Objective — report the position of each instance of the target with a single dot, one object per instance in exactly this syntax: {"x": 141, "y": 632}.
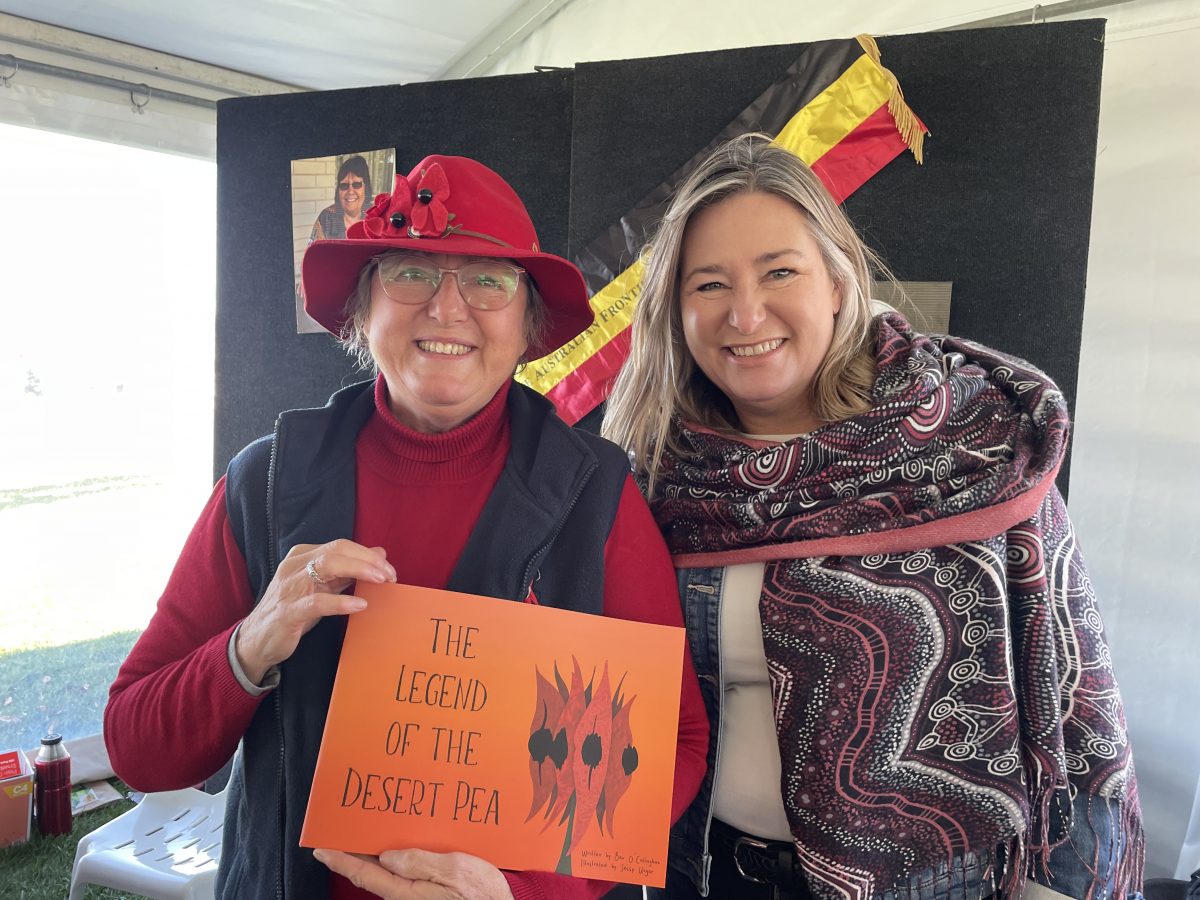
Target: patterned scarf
{"x": 940, "y": 677}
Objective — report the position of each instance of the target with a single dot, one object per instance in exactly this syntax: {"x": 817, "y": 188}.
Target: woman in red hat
{"x": 442, "y": 473}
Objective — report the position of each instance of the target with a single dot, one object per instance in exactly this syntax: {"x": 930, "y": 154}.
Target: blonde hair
{"x": 660, "y": 380}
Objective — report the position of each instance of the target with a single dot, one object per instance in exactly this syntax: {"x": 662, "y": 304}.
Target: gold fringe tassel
{"x": 906, "y": 120}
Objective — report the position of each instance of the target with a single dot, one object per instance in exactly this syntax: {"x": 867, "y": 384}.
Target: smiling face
{"x": 351, "y": 193}
{"x": 758, "y": 304}
{"x": 444, "y": 360}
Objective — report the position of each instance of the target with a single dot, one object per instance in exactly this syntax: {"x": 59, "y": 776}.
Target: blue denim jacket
{"x": 700, "y": 592}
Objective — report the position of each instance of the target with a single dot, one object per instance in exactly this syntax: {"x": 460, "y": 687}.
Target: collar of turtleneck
{"x": 400, "y": 453}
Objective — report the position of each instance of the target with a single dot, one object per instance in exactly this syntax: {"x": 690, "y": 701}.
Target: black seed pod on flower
{"x": 541, "y": 741}
{"x": 629, "y": 760}
{"x": 558, "y": 750}
{"x": 591, "y": 753}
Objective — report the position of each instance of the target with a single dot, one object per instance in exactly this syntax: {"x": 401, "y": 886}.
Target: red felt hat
{"x": 452, "y": 205}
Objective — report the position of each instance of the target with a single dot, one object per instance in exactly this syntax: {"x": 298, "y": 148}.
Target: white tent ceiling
{"x": 313, "y": 44}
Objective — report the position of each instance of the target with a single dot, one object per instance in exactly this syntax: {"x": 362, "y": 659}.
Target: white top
{"x": 747, "y": 793}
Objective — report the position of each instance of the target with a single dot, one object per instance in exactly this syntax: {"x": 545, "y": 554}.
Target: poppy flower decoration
{"x": 389, "y": 214}
{"x": 378, "y": 206}
{"x": 429, "y": 214}
{"x": 581, "y": 754}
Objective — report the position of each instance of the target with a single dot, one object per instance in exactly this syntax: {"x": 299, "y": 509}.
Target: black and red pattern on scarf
{"x": 937, "y": 660}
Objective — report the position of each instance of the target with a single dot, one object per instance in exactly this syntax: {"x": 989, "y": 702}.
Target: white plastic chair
{"x": 165, "y": 847}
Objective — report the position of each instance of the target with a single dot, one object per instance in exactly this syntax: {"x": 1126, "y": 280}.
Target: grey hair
{"x": 353, "y": 336}
{"x": 660, "y": 380}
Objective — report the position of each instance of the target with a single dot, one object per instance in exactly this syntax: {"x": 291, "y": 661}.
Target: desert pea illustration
{"x": 581, "y": 754}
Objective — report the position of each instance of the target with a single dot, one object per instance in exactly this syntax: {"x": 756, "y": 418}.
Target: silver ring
{"x": 311, "y": 569}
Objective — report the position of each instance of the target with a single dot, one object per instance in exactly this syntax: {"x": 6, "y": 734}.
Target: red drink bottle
{"x": 52, "y": 794}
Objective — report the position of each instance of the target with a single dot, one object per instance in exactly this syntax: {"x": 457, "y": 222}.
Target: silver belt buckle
{"x": 744, "y": 841}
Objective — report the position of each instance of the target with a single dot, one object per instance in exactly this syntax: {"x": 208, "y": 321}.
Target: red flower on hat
{"x": 379, "y": 207}
{"x": 389, "y": 215}
{"x": 429, "y": 214}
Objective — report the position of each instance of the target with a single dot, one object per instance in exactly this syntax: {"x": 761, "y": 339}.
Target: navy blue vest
{"x": 544, "y": 526}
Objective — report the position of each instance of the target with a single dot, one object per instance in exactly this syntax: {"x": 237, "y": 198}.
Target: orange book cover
{"x": 536, "y": 738}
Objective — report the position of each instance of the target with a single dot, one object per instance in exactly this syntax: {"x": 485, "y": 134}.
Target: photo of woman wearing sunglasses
{"x": 315, "y": 219}
{"x": 350, "y": 200}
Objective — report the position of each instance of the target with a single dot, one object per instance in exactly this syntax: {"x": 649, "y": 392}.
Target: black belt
{"x": 759, "y": 860}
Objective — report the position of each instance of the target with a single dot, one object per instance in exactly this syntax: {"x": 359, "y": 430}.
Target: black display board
{"x": 1001, "y": 208}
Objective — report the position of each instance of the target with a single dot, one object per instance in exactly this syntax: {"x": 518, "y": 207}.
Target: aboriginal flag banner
{"x": 836, "y": 108}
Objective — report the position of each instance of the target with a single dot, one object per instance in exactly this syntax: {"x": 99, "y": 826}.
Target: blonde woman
{"x": 905, "y": 669}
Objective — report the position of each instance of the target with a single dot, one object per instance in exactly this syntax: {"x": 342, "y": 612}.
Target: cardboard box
{"x": 16, "y": 797}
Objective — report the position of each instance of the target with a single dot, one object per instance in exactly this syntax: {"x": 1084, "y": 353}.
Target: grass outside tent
{"x": 60, "y": 689}
{"x": 64, "y": 635}
{"x": 57, "y": 689}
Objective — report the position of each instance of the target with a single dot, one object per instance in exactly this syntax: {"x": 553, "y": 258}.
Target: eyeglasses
{"x": 346, "y": 185}
{"x": 483, "y": 283}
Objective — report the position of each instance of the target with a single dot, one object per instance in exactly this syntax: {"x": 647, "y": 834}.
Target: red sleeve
{"x": 175, "y": 712}
{"x": 639, "y": 583}
{"x": 546, "y": 885}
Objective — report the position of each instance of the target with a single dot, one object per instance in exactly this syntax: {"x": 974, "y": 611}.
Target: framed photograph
{"x": 329, "y": 194}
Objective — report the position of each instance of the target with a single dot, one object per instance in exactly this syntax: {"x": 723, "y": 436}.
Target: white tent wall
{"x": 68, "y": 106}
{"x": 168, "y": 104}
{"x": 99, "y": 114}
{"x": 1135, "y": 485}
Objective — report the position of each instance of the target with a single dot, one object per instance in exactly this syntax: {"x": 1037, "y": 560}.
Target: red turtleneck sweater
{"x": 417, "y": 495}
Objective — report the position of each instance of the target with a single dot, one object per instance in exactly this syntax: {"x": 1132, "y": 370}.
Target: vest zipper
{"x": 537, "y": 555}
{"x": 272, "y": 565}
{"x": 272, "y": 561}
